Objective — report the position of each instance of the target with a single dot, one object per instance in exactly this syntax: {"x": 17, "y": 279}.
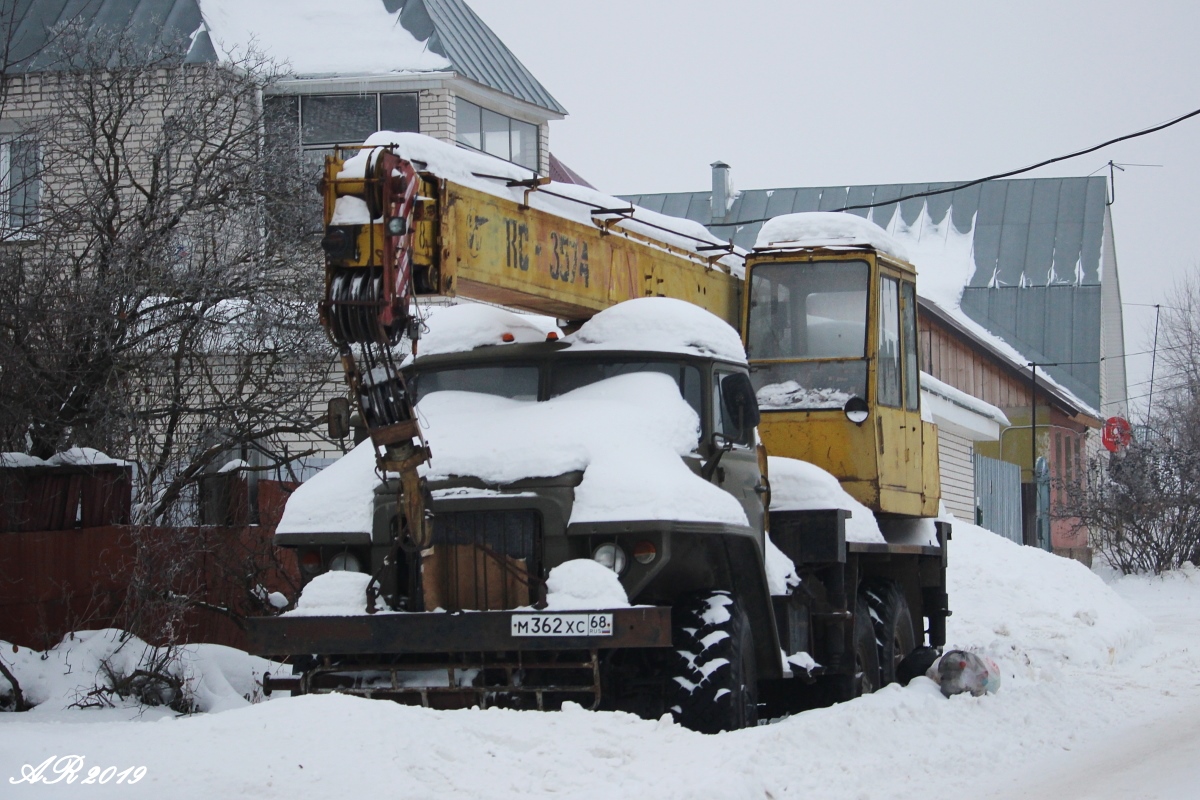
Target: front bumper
{"x": 437, "y": 632}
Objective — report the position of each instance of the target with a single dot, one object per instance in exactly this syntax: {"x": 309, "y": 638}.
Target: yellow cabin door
{"x": 890, "y": 420}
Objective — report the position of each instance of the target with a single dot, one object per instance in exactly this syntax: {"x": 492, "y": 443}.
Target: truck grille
{"x": 482, "y": 560}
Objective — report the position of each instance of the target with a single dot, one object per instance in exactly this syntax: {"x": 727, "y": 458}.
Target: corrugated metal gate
{"x": 998, "y": 490}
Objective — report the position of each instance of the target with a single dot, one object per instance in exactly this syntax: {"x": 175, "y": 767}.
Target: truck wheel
{"x": 893, "y": 626}
{"x": 715, "y": 683}
{"x": 866, "y": 652}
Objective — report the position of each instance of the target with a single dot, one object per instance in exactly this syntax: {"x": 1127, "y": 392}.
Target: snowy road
{"x": 1100, "y": 699}
{"x": 1158, "y": 756}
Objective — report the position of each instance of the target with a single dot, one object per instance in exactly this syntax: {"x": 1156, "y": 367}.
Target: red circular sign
{"x": 1117, "y": 434}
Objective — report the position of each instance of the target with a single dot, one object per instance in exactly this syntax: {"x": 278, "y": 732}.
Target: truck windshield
{"x": 517, "y": 382}
{"x": 807, "y": 336}
{"x": 565, "y": 376}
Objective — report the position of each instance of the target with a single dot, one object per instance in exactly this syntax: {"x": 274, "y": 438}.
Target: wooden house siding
{"x": 955, "y": 460}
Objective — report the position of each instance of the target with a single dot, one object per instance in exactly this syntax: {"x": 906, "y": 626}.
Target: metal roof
{"x": 476, "y": 53}
{"x": 1036, "y": 245}
{"x": 166, "y": 27}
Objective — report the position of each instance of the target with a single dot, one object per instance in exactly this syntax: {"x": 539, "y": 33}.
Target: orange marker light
{"x": 507, "y": 337}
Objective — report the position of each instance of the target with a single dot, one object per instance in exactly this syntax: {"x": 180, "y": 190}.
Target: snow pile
{"x": 350, "y": 211}
{"x": 662, "y": 324}
{"x": 626, "y": 434}
{"x": 338, "y": 499}
{"x": 357, "y": 37}
{"x": 465, "y": 167}
{"x": 828, "y": 229}
{"x": 1023, "y": 604}
{"x": 583, "y": 584}
{"x": 336, "y": 593}
{"x": 895, "y": 743}
{"x": 84, "y": 457}
{"x": 799, "y": 486}
{"x": 781, "y": 570}
{"x": 462, "y": 327}
{"x": 214, "y": 677}
{"x": 20, "y": 460}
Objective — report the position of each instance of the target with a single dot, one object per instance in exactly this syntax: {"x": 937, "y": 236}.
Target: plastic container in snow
{"x": 959, "y": 671}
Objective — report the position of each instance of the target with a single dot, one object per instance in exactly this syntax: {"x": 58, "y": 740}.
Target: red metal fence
{"x": 69, "y": 560}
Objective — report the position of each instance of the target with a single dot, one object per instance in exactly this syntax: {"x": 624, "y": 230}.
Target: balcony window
{"x": 496, "y": 134}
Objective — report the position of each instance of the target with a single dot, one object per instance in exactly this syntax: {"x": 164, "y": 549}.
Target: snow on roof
{"x": 800, "y": 486}
{"x": 574, "y": 202}
{"x": 627, "y": 434}
{"x": 352, "y": 37}
{"x": 945, "y": 261}
{"x": 661, "y": 324}
{"x": 953, "y": 408}
{"x": 465, "y": 326}
{"x": 828, "y": 229}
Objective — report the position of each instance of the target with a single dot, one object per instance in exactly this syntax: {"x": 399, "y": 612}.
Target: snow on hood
{"x": 465, "y": 167}
{"x": 462, "y": 327}
{"x": 799, "y": 486}
{"x": 353, "y": 37}
{"x": 661, "y": 324}
{"x": 627, "y": 434}
{"x": 828, "y": 229}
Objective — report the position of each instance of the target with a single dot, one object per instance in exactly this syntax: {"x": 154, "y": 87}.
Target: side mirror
{"x": 338, "y": 418}
{"x": 857, "y": 410}
{"x": 741, "y": 403}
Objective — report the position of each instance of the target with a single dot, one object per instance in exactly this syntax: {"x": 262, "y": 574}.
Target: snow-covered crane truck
{"x": 590, "y": 517}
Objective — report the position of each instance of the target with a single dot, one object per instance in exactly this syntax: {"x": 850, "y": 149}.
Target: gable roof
{"x": 976, "y": 251}
{"x": 318, "y": 37}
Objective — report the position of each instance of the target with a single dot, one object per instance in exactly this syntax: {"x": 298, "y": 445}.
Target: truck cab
{"x": 831, "y": 335}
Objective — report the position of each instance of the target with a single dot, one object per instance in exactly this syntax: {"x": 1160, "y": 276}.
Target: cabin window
{"x": 912, "y": 368}
{"x": 888, "y": 364}
{"x": 807, "y": 336}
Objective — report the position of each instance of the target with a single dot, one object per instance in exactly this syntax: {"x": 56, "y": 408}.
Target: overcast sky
{"x": 813, "y": 94}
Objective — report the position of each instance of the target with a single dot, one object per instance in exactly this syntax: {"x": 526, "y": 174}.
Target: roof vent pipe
{"x": 722, "y": 190}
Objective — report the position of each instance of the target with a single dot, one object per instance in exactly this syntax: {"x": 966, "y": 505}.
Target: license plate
{"x": 562, "y": 624}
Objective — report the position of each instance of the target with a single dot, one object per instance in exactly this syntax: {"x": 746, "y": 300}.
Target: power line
{"x": 1030, "y": 168}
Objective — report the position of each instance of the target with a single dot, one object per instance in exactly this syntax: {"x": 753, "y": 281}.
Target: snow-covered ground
{"x": 1100, "y": 698}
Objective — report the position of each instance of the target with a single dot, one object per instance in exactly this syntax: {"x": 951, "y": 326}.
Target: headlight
{"x": 611, "y": 556}
{"x": 345, "y": 562}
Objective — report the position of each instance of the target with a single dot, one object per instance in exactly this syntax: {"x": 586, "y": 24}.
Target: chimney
{"x": 722, "y": 190}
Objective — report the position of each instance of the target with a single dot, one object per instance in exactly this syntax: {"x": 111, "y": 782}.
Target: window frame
{"x": 29, "y": 214}
{"x": 298, "y": 121}
{"x": 463, "y": 106}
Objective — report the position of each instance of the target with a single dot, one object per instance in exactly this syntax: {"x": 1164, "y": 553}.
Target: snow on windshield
{"x": 627, "y": 434}
{"x": 828, "y": 229}
{"x": 661, "y": 324}
{"x": 799, "y": 486}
